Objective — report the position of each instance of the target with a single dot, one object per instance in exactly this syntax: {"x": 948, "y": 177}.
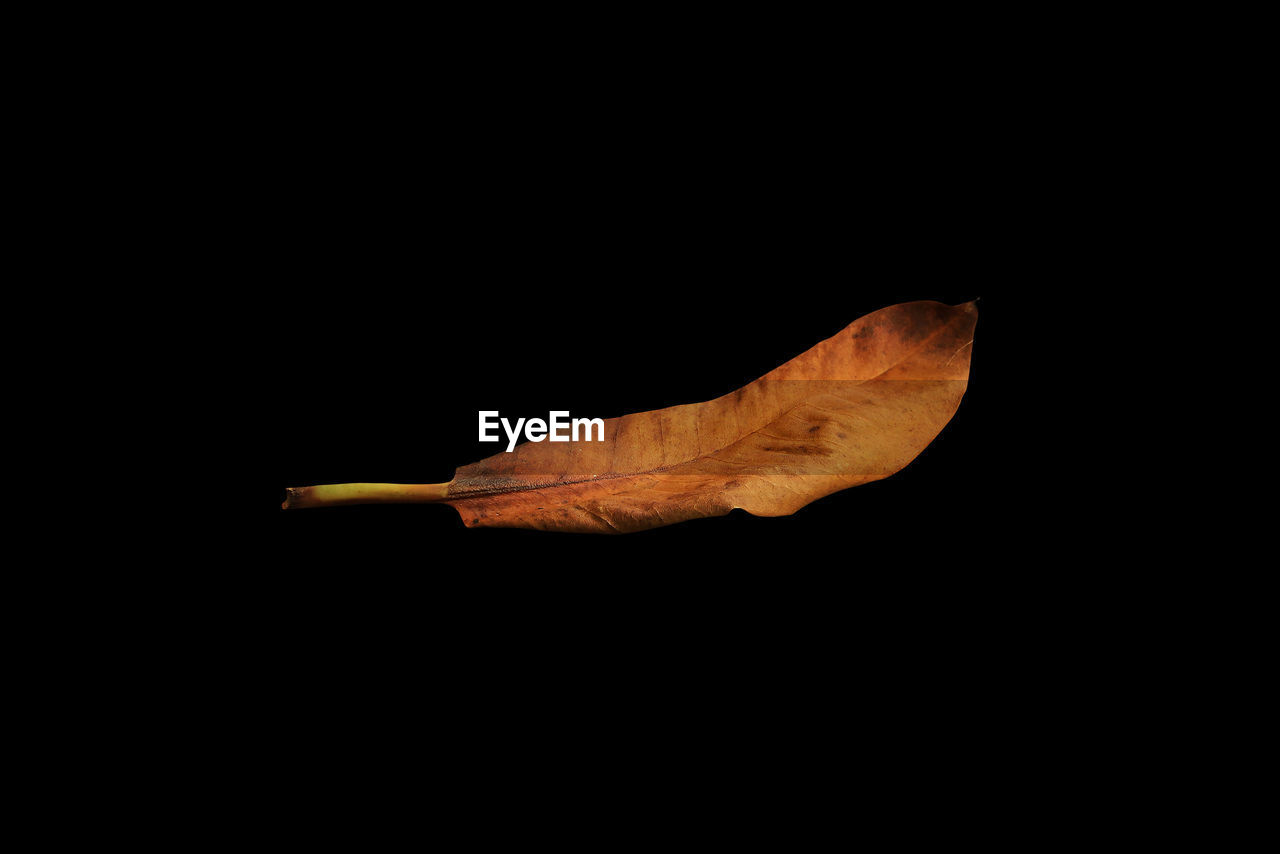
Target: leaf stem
{"x": 335, "y": 494}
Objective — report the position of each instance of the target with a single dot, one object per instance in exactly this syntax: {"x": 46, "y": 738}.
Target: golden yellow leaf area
{"x": 854, "y": 408}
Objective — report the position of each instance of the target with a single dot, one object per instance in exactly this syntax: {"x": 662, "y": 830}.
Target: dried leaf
{"x": 855, "y": 408}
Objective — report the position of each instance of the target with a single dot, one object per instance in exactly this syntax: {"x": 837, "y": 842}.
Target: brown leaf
{"x": 855, "y": 408}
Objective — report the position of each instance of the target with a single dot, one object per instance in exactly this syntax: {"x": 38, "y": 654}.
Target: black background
{"x": 613, "y": 246}
{"x": 642, "y": 294}
{"x": 616, "y": 279}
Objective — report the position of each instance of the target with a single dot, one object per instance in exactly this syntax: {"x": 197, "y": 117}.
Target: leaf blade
{"x": 852, "y": 409}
